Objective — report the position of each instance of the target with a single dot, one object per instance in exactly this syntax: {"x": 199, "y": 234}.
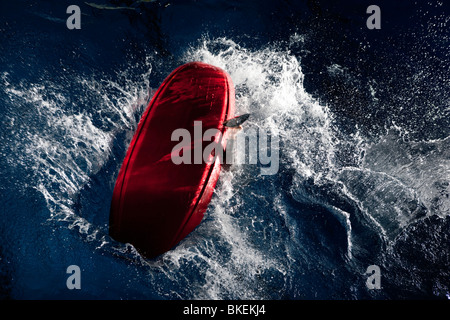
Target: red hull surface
{"x": 156, "y": 202}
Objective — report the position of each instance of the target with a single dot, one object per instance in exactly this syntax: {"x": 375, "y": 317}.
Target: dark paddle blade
{"x": 237, "y": 121}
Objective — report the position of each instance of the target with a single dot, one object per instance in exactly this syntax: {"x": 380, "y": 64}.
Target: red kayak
{"x": 156, "y": 203}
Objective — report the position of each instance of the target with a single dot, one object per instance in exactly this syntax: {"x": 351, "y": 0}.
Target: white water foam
{"x": 63, "y": 145}
{"x": 389, "y": 192}
{"x": 269, "y": 85}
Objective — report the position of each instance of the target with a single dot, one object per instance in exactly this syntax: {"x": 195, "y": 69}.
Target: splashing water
{"x": 335, "y": 201}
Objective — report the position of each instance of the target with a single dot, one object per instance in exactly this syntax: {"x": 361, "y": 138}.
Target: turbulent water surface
{"x": 362, "y": 118}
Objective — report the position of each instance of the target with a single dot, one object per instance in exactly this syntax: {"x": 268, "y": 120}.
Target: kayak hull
{"x": 156, "y": 202}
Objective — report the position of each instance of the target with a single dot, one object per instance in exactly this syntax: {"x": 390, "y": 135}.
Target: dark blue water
{"x": 363, "y": 121}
